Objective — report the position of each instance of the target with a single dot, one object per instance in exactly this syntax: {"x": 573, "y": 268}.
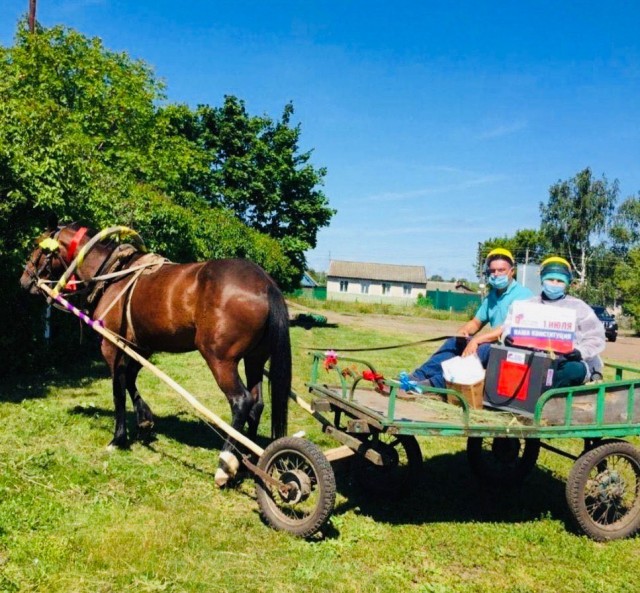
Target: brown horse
{"x": 228, "y": 309}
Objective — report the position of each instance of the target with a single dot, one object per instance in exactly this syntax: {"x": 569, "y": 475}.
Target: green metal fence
{"x": 453, "y": 301}
{"x": 319, "y": 293}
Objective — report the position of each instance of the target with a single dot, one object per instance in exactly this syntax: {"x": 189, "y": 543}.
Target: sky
{"x": 441, "y": 123}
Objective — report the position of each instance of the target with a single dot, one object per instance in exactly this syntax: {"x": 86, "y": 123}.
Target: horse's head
{"x": 53, "y": 252}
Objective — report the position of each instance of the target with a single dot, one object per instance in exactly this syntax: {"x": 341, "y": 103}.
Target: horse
{"x": 227, "y": 309}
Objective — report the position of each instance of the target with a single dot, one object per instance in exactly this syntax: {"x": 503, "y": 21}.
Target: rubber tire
{"x": 384, "y": 481}
{"x": 323, "y": 485}
{"x": 577, "y": 482}
{"x": 502, "y": 475}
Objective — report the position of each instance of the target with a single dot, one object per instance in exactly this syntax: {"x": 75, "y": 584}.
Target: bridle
{"x": 49, "y": 249}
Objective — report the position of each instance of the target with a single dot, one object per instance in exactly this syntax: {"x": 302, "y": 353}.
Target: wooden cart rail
{"x": 607, "y": 409}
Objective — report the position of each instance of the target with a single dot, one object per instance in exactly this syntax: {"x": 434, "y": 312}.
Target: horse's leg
{"x": 254, "y": 369}
{"x": 114, "y": 358}
{"x": 144, "y": 416}
{"x": 240, "y": 400}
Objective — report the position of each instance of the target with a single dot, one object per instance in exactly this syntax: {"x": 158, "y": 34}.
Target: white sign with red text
{"x": 543, "y": 327}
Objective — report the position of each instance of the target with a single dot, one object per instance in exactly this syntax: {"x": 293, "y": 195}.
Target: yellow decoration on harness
{"x": 49, "y": 244}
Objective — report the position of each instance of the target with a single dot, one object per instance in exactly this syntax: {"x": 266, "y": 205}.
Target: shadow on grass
{"x": 447, "y": 491}
{"x": 82, "y": 373}
{"x": 182, "y": 427}
{"x": 444, "y": 491}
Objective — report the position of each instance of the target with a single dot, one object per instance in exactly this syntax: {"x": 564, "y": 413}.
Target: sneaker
{"x": 420, "y": 382}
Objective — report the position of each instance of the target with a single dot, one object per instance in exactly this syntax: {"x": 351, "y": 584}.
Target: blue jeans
{"x": 432, "y": 368}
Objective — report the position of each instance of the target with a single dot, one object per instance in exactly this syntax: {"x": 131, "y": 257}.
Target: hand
{"x": 472, "y": 348}
{"x": 574, "y": 356}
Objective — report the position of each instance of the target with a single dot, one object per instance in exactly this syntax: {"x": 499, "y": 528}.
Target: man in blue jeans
{"x": 504, "y": 289}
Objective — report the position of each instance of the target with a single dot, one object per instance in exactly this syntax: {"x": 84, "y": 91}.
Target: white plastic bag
{"x": 463, "y": 370}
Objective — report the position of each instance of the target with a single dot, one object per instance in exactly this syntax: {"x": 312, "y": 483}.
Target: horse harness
{"x": 112, "y": 268}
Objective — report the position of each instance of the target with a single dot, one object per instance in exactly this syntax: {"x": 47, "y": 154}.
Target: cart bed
{"x": 589, "y": 411}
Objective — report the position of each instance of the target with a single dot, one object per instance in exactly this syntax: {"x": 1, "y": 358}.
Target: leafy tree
{"x": 577, "y": 213}
{"x": 258, "y": 172}
{"x": 84, "y": 132}
{"x": 627, "y": 280}
{"x": 599, "y": 287}
{"x": 527, "y": 246}
{"x": 436, "y": 278}
{"x": 625, "y": 227}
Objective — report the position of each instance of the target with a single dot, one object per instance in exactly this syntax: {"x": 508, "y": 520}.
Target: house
{"x": 370, "y": 282}
{"x": 307, "y": 281}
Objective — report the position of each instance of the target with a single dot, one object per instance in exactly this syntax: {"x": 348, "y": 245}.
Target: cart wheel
{"x": 402, "y": 459}
{"x": 306, "y": 506}
{"x": 502, "y": 461}
{"x": 603, "y": 491}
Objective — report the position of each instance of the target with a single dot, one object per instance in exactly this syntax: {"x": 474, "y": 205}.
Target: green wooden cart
{"x": 379, "y": 421}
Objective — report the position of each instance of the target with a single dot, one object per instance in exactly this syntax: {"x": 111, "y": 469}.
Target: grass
{"x": 76, "y": 518}
{"x": 366, "y": 308}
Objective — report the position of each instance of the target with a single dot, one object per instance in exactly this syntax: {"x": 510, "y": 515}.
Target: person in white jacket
{"x": 583, "y": 363}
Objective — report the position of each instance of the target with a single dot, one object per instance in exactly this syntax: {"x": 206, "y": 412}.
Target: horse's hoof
{"x": 145, "y": 433}
{"x": 221, "y": 478}
{"x": 228, "y": 467}
{"x": 118, "y": 444}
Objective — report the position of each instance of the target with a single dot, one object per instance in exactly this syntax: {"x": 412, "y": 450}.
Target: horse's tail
{"x": 280, "y": 365}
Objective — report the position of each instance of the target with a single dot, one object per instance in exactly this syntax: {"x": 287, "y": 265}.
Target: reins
{"x": 336, "y": 349}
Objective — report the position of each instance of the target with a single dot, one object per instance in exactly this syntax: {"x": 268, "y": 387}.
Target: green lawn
{"x": 75, "y": 517}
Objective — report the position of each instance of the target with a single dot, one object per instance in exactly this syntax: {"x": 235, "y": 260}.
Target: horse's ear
{"x": 52, "y": 222}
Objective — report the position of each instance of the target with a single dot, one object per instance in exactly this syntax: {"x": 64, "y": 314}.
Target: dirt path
{"x": 625, "y": 350}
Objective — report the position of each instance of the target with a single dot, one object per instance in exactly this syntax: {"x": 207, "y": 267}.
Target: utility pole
{"x": 32, "y": 16}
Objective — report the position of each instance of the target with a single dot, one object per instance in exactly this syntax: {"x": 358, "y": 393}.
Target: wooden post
{"x": 32, "y": 16}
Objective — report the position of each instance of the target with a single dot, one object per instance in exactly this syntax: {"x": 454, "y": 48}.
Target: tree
{"x": 85, "y": 132}
{"x": 527, "y": 246}
{"x": 627, "y": 279}
{"x": 258, "y": 172}
{"x": 625, "y": 227}
{"x": 578, "y": 211}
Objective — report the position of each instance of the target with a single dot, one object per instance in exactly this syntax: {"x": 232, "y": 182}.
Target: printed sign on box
{"x": 543, "y": 327}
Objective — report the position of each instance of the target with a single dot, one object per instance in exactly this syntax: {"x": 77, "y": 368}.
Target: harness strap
{"x": 124, "y": 290}
{"x": 128, "y": 289}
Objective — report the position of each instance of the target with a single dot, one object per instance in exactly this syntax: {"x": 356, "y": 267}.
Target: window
{"x": 386, "y": 288}
{"x": 344, "y": 285}
{"x": 364, "y": 288}
{"x": 406, "y": 289}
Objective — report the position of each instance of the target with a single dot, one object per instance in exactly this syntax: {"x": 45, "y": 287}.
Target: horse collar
{"x": 75, "y": 241}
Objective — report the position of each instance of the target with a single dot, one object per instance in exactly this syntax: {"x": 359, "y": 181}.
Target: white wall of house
{"x": 349, "y": 289}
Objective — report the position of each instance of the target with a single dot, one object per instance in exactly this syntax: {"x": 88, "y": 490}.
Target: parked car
{"x": 609, "y": 322}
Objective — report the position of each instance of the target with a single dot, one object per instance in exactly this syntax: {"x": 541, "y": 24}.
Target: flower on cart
{"x": 330, "y": 359}
{"x": 350, "y": 371}
{"x": 377, "y": 378}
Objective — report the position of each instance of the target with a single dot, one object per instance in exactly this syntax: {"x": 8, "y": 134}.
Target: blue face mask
{"x": 498, "y": 282}
{"x": 554, "y": 291}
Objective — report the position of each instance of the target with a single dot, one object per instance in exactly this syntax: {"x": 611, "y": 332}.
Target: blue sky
{"x": 441, "y": 124}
